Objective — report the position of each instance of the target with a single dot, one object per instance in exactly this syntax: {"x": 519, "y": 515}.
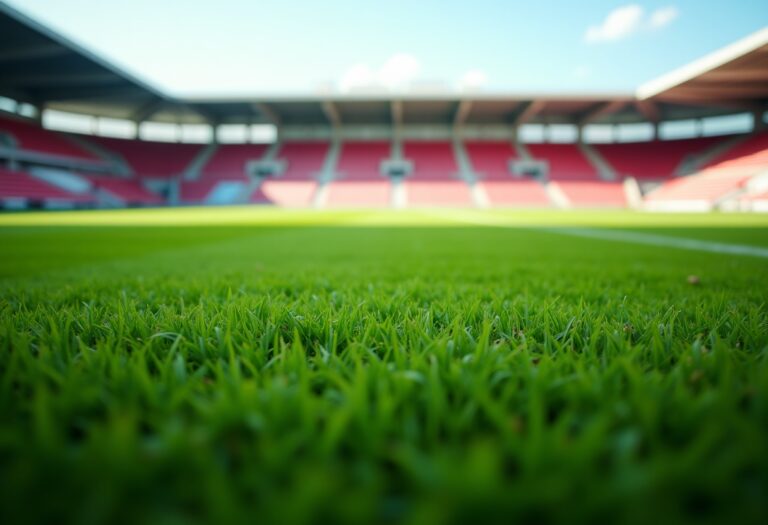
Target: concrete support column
{"x": 758, "y": 119}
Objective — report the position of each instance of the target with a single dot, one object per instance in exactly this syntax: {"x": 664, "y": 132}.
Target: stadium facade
{"x": 379, "y": 150}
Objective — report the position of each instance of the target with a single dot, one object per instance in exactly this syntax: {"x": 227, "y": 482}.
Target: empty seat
{"x": 130, "y": 191}
{"x": 289, "y": 193}
{"x": 351, "y": 194}
{"x": 517, "y": 193}
{"x": 20, "y": 185}
{"x": 750, "y": 154}
{"x": 151, "y": 159}
{"x": 706, "y": 187}
{"x": 361, "y": 161}
{"x": 566, "y": 161}
{"x": 490, "y": 159}
{"x": 31, "y": 137}
{"x": 438, "y": 193}
{"x": 653, "y": 160}
{"x": 303, "y": 160}
{"x": 229, "y": 161}
{"x": 593, "y": 194}
{"x": 431, "y": 160}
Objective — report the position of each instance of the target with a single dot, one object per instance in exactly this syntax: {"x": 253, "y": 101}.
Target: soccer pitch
{"x": 185, "y": 365}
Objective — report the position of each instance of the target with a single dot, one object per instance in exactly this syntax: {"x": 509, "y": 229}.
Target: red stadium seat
{"x": 369, "y": 194}
{"x": 593, "y": 194}
{"x": 160, "y": 160}
{"x": 566, "y": 161}
{"x": 229, "y": 161}
{"x": 304, "y": 160}
{"x": 752, "y": 153}
{"x": 359, "y": 161}
{"x": 19, "y": 185}
{"x": 130, "y": 191}
{"x": 31, "y": 137}
{"x": 438, "y": 193}
{"x": 288, "y": 193}
{"x": 431, "y": 160}
{"x": 490, "y": 159}
{"x": 518, "y": 193}
{"x": 654, "y": 160}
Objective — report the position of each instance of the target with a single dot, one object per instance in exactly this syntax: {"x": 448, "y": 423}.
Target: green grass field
{"x": 182, "y": 366}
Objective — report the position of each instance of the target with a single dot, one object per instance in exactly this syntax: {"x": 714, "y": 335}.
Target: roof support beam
{"x": 89, "y": 79}
{"x": 462, "y": 112}
{"x": 532, "y": 109}
{"x": 17, "y": 54}
{"x": 145, "y": 111}
{"x": 711, "y": 102}
{"x": 742, "y": 90}
{"x": 649, "y": 110}
{"x": 89, "y": 93}
{"x": 602, "y": 110}
{"x": 331, "y": 113}
{"x": 737, "y": 75}
{"x": 268, "y": 113}
{"x": 396, "y": 108}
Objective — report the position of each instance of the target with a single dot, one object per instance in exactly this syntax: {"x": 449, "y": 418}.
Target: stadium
{"x": 381, "y": 306}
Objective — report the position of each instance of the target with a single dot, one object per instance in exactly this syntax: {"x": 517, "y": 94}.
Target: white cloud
{"x": 358, "y": 76}
{"x": 664, "y": 16}
{"x": 396, "y": 73}
{"x": 620, "y": 23}
{"x": 403, "y": 72}
{"x": 627, "y": 20}
{"x": 473, "y": 80}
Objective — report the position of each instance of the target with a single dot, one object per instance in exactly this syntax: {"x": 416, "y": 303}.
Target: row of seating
{"x": 17, "y": 185}
{"x": 723, "y": 177}
{"x": 358, "y": 181}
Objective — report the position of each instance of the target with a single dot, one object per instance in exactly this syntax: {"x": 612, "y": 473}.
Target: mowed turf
{"x": 357, "y": 367}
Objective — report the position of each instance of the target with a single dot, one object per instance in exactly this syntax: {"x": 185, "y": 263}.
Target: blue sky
{"x": 231, "y": 47}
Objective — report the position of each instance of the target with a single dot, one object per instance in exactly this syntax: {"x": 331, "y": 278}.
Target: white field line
{"x": 606, "y": 234}
{"x": 663, "y": 240}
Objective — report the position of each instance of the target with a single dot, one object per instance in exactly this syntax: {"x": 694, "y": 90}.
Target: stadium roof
{"x": 43, "y": 68}
{"x": 734, "y": 76}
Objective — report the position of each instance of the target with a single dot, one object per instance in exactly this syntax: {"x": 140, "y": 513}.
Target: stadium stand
{"x": 750, "y": 155}
{"x": 17, "y": 185}
{"x": 303, "y": 160}
{"x": 229, "y": 161}
{"x": 129, "y": 191}
{"x": 724, "y": 178}
{"x": 434, "y": 179}
{"x": 297, "y": 185}
{"x": 754, "y": 202}
{"x": 699, "y": 192}
{"x": 161, "y": 160}
{"x": 578, "y": 174}
{"x": 593, "y": 194}
{"x": 653, "y": 160}
{"x": 288, "y": 193}
{"x": 360, "y": 182}
{"x": 431, "y": 160}
{"x": 566, "y": 161}
{"x": 355, "y": 194}
{"x": 29, "y": 136}
{"x": 490, "y": 159}
{"x": 490, "y": 163}
{"x": 360, "y": 161}
{"x": 515, "y": 193}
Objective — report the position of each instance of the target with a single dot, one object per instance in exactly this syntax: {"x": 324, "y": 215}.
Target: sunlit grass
{"x": 287, "y": 367}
